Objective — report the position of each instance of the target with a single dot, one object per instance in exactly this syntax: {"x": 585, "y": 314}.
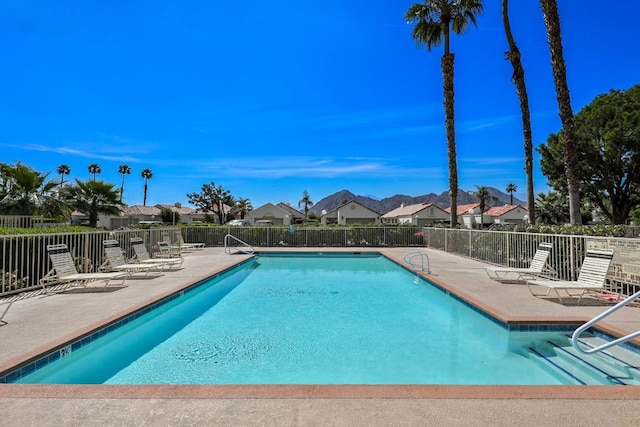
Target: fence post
{"x": 572, "y": 258}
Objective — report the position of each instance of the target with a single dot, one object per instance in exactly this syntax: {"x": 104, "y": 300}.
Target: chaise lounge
{"x": 142, "y": 255}
{"x": 592, "y": 277}
{"x": 538, "y": 267}
{"x": 115, "y": 261}
{"x": 65, "y": 271}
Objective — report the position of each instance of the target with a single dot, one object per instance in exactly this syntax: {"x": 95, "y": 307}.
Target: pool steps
{"x": 616, "y": 366}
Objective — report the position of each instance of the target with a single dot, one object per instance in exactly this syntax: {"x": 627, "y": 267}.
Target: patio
{"x": 41, "y": 322}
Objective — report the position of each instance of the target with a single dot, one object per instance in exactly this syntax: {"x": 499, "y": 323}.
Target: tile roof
{"x": 463, "y": 209}
{"x": 141, "y": 210}
{"x": 296, "y": 213}
{"x": 181, "y": 210}
{"x": 407, "y": 210}
{"x": 501, "y": 210}
{"x": 346, "y": 203}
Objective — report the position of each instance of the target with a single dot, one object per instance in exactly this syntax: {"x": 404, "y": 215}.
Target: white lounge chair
{"x": 64, "y": 270}
{"x": 538, "y": 266}
{"x": 166, "y": 250}
{"x": 142, "y": 255}
{"x": 115, "y": 261}
{"x": 179, "y": 243}
{"x": 592, "y": 277}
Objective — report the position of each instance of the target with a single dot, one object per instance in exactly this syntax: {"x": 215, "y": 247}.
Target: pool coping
{"x": 268, "y": 391}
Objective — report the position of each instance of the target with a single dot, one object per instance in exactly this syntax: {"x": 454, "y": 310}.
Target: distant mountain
{"x": 388, "y": 204}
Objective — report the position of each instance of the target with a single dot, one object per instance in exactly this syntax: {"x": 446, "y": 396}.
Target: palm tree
{"x": 552, "y": 208}
{"x": 511, "y": 188}
{"x": 242, "y": 207}
{"x": 306, "y": 201}
{"x": 123, "y": 170}
{"x": 513, "y": 55}
{"x": 433, "y": 21}
{"x": 483, "y": 195}
{"x": 26, "y": 193}
{"x": 552, "y": 22}
{"x": 94, "y": 168}
{"x": 94, "y": 198}
{"x": 147, "y": 175}
{"x": 63, "y": 170}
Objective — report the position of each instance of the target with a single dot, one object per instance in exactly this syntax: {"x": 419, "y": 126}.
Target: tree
{"x": 212, "y": 199}
{"x": 306, "y": 201}
{"x": 95, "y": 169}
{"x": 571, "y": 160}
{"x": 26, "y": 193}
{"x": 607, "y": 137}
{"x": 513, "y": 55}
{"x": 511, "y": 188}
{"x": 93, "y": 198}
{"x": 124, "y": 170}
{"x": 552, "y": 208}
{"x": 147, "y": 174}
{"x": 170, "y": 216}
{"x": 433, "y": 21}
{"x": 63, "y": 170}
{"x": 483, "y": 195}
{"x": 242, "y": 207}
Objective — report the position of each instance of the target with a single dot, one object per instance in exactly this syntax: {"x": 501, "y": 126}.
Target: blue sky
{"x": 268, "y": 99}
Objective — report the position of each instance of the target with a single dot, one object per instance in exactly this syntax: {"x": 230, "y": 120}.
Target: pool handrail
{"x": 581, "y": 329}
{"x": 409, "y": 259}
{"x": 227, "y": 247}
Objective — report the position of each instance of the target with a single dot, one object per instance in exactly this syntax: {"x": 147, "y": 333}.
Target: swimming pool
{"x": 307, "y": 319}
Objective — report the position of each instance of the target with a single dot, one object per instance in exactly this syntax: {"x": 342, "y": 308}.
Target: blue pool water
{"x": 330, "y": 319}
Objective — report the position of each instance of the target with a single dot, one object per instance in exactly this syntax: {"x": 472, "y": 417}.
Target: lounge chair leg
{"x": 3, "y": 322}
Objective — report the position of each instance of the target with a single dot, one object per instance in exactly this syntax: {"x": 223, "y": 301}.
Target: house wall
{"x": 270, "y": 212}
{"x": 515, "y": 216}
{"x": 351, "y": 213}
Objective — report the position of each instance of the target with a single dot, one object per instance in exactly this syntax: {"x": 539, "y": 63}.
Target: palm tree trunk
{"x": 447, "y": 74}
{"x": 521, "y": 89}
{"x": 144, "y": 200}
{"x": 122, "y": 187}
{"x": 552, "y": 22}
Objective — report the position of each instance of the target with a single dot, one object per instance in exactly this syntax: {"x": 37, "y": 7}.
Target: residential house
{"x": 421, "y": 214}
{"x": 350, "y": 212}
{"x": 508, "y": 214}
{"x": 468, "y": 215}
{"x": 278, "y": 215}
{"x": 297, "y": 217}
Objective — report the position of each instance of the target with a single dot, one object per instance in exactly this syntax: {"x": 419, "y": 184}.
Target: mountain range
{"x": 382, "y": 206}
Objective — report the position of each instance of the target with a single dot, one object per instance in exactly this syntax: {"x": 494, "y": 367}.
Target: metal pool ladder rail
{"x": 245, "y": 248}
{"x": 418, "y": 259}
{"x": 581, "y": 329}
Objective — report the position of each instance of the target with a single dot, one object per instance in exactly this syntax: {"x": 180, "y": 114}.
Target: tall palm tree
{"x": 511, "y": 188}
{"x": 513, "y": 55}
{"x": 552, "y": 22}
{"x": 434, "y": 19}
{"x": 63, "y": 170}
{"x": 306, "y": 201}
{"x": 95, "y": 169}
{"x": 123, "y": 170}
{"x": 482, "y": 194}
{"x": 147, "y": 175}
{"x": 94, "y": 198}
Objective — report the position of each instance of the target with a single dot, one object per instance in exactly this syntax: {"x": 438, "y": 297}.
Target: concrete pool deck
{"x": 40, "y": 323}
